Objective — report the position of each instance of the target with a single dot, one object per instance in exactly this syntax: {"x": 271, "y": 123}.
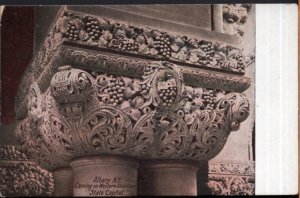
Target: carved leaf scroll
{"x": 156, "y": 116}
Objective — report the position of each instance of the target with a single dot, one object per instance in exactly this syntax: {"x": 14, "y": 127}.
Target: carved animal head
{"x": 237, "y": 109}
{"x": 71, "y": 85}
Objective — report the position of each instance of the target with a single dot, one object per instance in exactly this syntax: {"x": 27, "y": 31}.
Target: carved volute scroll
{"x": 155, "y": 116}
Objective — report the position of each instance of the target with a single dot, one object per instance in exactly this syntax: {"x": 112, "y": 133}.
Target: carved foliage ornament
{"x": 231, "y": 178}
{"x": 156, "y": 117}
{"x": 231, "y": 185}
{"x": 107, "y": 33}
{"x": 21, "y": 177}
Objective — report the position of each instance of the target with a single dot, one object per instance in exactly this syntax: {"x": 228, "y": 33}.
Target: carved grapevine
{"x": 102, "y": 32}
{"x": 156, "y": 116}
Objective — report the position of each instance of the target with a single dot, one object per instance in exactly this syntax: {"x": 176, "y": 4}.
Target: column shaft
{"x": 63, "y": 182}
{"x": 104, "y": 176}
{"x": 168, "y": 178}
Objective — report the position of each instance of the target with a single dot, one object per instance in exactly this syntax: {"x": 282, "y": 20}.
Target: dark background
{"x": 17, "y": 43}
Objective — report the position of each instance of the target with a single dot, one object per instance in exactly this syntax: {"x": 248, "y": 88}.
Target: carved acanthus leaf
{"x": 156, "y": 116}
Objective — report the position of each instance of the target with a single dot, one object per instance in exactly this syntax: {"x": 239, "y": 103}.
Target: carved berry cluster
{"x": 168, "y": 95}
{"x": 209, "y": 99}
{"x": 92, "y": 27}
{"x": 129, "y": 46}
{"x": 162, "y": 45}
{"x": 207, "y": 47}
{"x": 240, "y": 62}
{"x": 115, "y": 90}
{"x": 72, "y": 31}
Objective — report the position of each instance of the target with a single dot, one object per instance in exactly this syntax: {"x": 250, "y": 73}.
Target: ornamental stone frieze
{"x": 19, "y": 176}
{"x": 102, "y": 94}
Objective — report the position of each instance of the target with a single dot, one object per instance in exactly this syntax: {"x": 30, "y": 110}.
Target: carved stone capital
{"x": 156, "y": 116}
{"x": 21, "y": 177}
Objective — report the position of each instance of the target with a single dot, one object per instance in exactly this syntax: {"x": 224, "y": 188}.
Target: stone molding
{"x": 132, "y": 67}
{"x": 154, "y": 117}
{"x": 21, "y": 177}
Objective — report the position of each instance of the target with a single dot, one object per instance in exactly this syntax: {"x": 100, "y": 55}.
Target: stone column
{"x": 217, "y": 16}
{"x": 63, "y": 182}
{"x": 168, "y": 178}
{"x": 104, "y": 176}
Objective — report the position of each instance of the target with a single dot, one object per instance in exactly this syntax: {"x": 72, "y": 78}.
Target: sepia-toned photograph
{"x": 128, "y": 100}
